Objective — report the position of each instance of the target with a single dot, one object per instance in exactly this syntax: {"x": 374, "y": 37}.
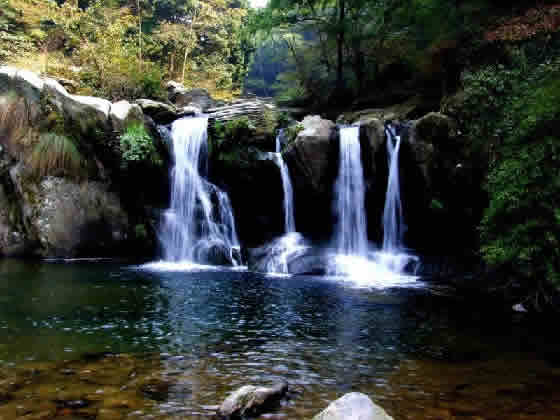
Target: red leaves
{"x": 534, "y": 21}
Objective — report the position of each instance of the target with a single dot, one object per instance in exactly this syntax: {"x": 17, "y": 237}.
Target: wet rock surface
{"x": 250, "y": 401}
{"x": 353, "y": 406}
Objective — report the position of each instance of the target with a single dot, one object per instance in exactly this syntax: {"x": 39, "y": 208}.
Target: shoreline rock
{"x": 353, "y": 406}
{"x": 250, "y": 400}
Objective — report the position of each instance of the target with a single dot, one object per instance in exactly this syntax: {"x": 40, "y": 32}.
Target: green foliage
{"x": 56, "y": 155}
{"x": 292, "y": 132}
{"x": 233, "y": 131}
{"x": 512, "y": 110}
{"x": 137, "y": 145}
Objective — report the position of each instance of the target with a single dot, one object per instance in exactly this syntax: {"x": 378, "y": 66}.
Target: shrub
{"x": 55, "y": 154}
{"x": 512, "y": 111}
{"x": 233, "y": 130}
{"x": 137, "y": 145}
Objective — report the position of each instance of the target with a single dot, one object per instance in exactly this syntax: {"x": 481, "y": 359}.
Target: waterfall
{"x": 199, "y": 224}
{"x": 351, "y": 233}
{"x": 393, "y": 223}
{"x": 289, "y": 221}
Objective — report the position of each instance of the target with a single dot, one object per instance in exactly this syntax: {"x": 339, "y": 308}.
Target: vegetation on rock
{"x": 55, "y": 154}
{"x": 137, "y": 145}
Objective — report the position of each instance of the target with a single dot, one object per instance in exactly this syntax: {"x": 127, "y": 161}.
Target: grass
{"x": 55, "y": 154}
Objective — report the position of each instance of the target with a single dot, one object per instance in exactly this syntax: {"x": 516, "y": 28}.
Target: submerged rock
{"x": 353, "y": 406}
{"x": 251, "y": 400}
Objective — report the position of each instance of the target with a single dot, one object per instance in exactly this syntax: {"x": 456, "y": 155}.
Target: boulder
{"x": 251, "y": 400}
{"x": 123, "y": 113}
{"x": 312, "y": 159}
{"x": 435, "y": 128}
{"x": 400, "y": 112}
{"x": 181, "y": 96}
{"x": 310, "y": 153}
{"x": 70, "y": 218}
{"x": 353, "y": 406}
{"x": 88, "y": 113}
{"x": 13, "y": 240}
{"x": 160, "y": 112}
{"x": 372, "y": 135}
{"x": 431, "y": 135}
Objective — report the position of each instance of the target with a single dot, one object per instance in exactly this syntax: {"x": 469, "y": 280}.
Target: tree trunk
{"x": 340, "y": 46}
{"x": 139, "y": 34}
{"x": 359, "y": 65}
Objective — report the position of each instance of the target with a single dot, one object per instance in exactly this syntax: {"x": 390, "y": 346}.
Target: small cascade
{"x": 199, "y": 225}
{"x": 351, "y": 229}
{"x": 276, "y": 256}
{"x": 289, "y": 221}
{"x": 393, "y": 221}
{"x": 354, "y": 261}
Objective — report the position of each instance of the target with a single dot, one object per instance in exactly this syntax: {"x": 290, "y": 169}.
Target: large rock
{"x": 123, "y": 113}
{"x": 432, "y": 135}
{"x": 56, "y": 216}
{"x": 353, "y": 406}
{"x": 312, "y": 158}
{"x": 71, "y": 218}
{"x": 251, "y": 401}
{"x": 399, "y": 112}
{"x": 181, "y": 96}
{"x": 88, "y": 113}
{"x": 160, "y": 112}
{"x": 310, "y": 153}
{"x": 13, "y": 240}
{"x": 163, "y": 113}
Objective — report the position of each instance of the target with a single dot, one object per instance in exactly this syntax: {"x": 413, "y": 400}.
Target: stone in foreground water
{"x": 353, "y": 406}
{"x": 251, "y": 400}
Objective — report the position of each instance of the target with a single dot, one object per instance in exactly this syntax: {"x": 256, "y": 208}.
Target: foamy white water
{"x": 199, "y": 226}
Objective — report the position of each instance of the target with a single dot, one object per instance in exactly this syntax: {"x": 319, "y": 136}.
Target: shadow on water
{"x": 144, "y": 342}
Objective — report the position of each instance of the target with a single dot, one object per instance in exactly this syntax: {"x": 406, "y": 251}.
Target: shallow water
{"x": 110, "y": 341}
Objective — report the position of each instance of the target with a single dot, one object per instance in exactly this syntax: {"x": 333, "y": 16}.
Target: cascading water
{"x": 351, "y": 230}
{"x": 282, "y": 250}
{"x": 289, "y": 221}
{"x": 393, "y": 222}
{"x": 354, "y": 260}
{"x": 393, "y": 255}
{"x": 199, "y": 225}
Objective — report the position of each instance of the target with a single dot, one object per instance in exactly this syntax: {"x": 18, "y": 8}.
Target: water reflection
{"x": 203, "y": 333}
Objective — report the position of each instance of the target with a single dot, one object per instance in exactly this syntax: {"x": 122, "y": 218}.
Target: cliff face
{"x": 64, "y": 190}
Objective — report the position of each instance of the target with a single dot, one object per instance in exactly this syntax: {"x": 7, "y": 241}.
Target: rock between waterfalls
{"x": 353, "y": 406}
{"x": 250, "y": 400}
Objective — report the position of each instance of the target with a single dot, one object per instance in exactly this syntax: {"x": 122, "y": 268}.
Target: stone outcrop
{"x": 353, "y": 406}
{"x": 251, "y": 401}
{"x": 123, "y": 113}
{"x": 70, "y": 218}
{"x": 254, "y": 109}
{"x": 181, "y": 96}
{"x": 63, "y": 215}
{"x": 312, "y": 159}
{"x": 432, "y": 135}
{"x": 13, "y": 240}
{"x": 310, "y": 152}
{"x": 163, "y": 113}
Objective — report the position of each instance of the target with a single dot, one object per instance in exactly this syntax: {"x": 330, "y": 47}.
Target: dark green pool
{"x": 134, "y": 343}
